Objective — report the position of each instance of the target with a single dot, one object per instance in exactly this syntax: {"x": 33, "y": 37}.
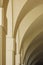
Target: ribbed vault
{"x": 36, "y": 51}
{"x": 32, "y": 42}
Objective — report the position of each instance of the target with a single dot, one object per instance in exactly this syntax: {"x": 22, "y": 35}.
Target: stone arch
{"x": 25, "y": 9}
{"x": 35, "y": 50}
{"x": 35, "y": 28}
{"x": 30, "y": 19}
{"x": 38, "y": 50}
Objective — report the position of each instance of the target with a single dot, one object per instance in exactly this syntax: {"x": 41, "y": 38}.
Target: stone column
{"x": 2, "y": 38}
{"x": 17, "y": 59}
{"x": 10, "y": 50}
{"x": 18, "y": 55}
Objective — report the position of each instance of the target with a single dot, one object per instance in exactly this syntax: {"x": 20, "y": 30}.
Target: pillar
{"x": 10, "y": 50}
{"x": 10, "y": 40}
{"x": 18, "y": 54}
{"x": 17, "y": 59}
{"x": 2, "y": 38}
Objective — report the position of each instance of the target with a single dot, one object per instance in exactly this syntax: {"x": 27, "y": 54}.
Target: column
{"x": 17, "y": 59}
{"x": 10, "y": 50}
{"x": 17, "y": 56}
{"x": 2, "y": 38}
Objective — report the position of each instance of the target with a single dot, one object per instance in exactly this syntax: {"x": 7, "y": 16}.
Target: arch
{"x": 26, "y": 8}
{"x": 37, "y": 54}
{"x": 35, "y": 29}
{"x": 32, "y": 19}
{"x": 36, "y": 48}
